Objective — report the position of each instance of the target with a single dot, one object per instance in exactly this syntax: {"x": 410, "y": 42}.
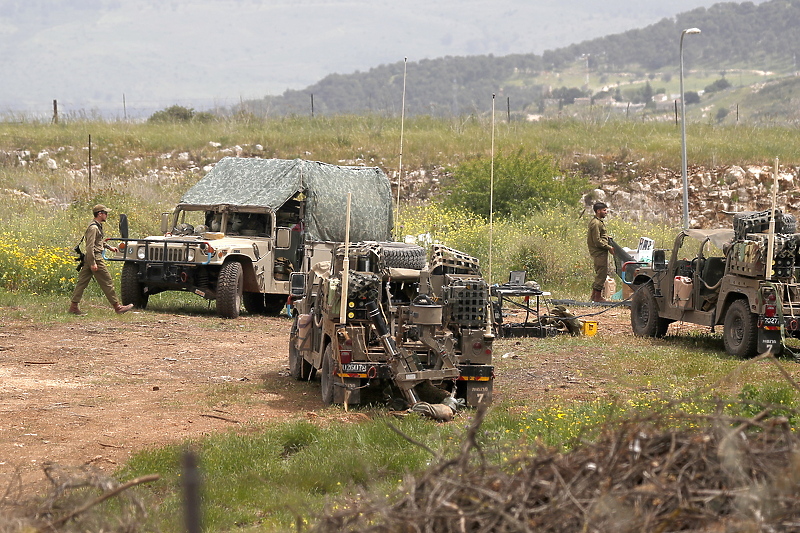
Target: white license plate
{"x": 355, "y": 368}
{"x": 771, "y": 321}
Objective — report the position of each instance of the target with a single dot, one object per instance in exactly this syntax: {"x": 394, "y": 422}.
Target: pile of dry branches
{"x": 71, "y": 502}
{"x": 728, "y": 474}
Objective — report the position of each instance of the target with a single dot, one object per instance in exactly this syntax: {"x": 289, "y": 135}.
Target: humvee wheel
{"x": 130, "y": 288}
{"x": 299, "y": 368}
{"x": 229, "y": 290}
{"x": 254, "y": 302}
{"x": 740, "y": 331}
{"x": 645, "y": 321}
{"x": 326, "y": 376}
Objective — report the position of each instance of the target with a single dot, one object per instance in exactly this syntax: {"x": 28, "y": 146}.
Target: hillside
{"x": 746, "y": 44}
{"x": 129, "y": 59}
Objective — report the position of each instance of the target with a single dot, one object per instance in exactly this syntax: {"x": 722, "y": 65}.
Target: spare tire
{"x": 402, "y": 255}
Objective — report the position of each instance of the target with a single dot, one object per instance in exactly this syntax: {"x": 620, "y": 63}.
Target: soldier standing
{"x": 598, "y": 241}
{"x": 95, "y": 266}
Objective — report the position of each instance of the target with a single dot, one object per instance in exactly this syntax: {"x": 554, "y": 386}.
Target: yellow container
{"x": 589, "y": 327}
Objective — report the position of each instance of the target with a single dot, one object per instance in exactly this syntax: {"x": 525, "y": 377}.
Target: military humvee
{"x": 238, "y": 234}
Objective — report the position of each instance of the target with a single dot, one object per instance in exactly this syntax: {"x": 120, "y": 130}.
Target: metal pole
{"x": 684, "y": 172}
{"x": 771, "y": 235}
{"x": 345, "y": 264}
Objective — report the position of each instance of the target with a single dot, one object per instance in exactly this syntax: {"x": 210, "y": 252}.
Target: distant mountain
{"x": 735, "y": 37}
{"x": 93, "y": 56}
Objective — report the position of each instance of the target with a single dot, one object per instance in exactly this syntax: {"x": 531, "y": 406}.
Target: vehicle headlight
{"x": 140, "y": 253}
{"x": 190, "y": 254}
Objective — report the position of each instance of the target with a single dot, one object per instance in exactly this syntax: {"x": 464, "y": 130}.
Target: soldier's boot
{"x": 122, "y": 308}
{"x": 73, "y": 309}
{"x": 597, "y": 297}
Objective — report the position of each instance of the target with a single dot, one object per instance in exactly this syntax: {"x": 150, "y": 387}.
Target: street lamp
{"x": 683, "y": 138}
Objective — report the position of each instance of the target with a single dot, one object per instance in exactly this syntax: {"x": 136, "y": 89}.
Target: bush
{"x": 522, "y": 183}
{"x": 719, "y": 85}
{"x": 692, "y": 98}
{"x": 179, "y": 113}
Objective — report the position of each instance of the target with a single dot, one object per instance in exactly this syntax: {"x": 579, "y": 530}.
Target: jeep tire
{"x": 131, "y": 290}
{"x": 326, "y": 375}
{"x": 740, "y": 331}
{"x": 645, "y": 320}
{"x": 299, "y": 368}
{"x": 229, "y": 290}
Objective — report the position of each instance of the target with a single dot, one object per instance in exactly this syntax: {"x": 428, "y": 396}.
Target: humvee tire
{"x": 229, "y": 290}
{"x": 254, "y": 302}
{"x": 131, "y": 290}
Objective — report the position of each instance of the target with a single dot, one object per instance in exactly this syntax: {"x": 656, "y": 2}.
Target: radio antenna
{"x": 491, "y": 198}
{"x": 400, "y": 170}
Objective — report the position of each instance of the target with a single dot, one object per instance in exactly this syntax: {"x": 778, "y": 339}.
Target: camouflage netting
{"x": 642, "y": 475}
{"x": 246, "y": 182}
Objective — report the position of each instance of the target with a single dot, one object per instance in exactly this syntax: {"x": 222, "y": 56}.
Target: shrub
{"x": 179, "y": 113}
{"x": 522, "y": 183}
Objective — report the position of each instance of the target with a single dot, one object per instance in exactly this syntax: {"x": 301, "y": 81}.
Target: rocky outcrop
{"x": 714, "y": 193}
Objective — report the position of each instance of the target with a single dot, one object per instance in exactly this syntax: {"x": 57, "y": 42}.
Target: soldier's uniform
{"x": 597, "y": 241}
{"x": 95, "y": 243}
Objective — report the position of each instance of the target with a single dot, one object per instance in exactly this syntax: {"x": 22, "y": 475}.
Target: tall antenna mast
{"x": 491, "y": 198}
{"x": 400, "y": 170}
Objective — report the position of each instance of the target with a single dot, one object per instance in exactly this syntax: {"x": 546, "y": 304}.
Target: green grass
{"x": 266, "y": 477}
{"x": 274, "y": 477}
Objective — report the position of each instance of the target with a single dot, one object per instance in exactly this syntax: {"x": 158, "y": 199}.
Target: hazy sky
{"x": 91, "y": 55}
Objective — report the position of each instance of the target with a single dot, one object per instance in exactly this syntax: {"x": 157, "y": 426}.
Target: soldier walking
{"x": 95, "y": 266}
{"x": 598, "y": 241}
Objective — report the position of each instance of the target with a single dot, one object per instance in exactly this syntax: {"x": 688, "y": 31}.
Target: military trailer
{"x": 720, "y": 278}
{"x": 239, "y": 233}
{"x": 409, "y": 331}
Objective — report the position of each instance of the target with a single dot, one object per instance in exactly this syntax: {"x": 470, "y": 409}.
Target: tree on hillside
{"x": 522, "y": 183}
{"x": 719, "y": 85}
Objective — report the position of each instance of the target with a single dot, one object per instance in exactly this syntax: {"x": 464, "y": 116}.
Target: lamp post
{"x": 684, "y": 176}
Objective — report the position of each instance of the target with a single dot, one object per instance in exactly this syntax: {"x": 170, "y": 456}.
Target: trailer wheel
{"x": 326, "y": 376}
{"x": 130, "y": 288}
{"x": 229, "y": 290}
{"x": 740, "y": 331}
{"x": 254, "y": 302}
{"x": 402, "y": 255}
{"x": 299, "y": 368}
{"x": 645, "y": 321}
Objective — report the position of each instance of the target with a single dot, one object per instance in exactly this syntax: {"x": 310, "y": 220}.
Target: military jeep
{"x": 724, "y": 277}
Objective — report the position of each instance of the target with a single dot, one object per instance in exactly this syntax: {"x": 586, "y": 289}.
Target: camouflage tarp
{"x": 246, "y": 182}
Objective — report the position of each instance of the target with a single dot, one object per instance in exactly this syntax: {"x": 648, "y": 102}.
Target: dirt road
{"x": 96, "y": 389}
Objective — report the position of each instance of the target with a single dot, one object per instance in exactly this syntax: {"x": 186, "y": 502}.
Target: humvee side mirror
{"x": 297, "y": 284}
{"x": 165, "y": 222}
{"x": 283, "y": 238}
{"x": 123, "y": 225}
{"x": 659, "y": 260}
